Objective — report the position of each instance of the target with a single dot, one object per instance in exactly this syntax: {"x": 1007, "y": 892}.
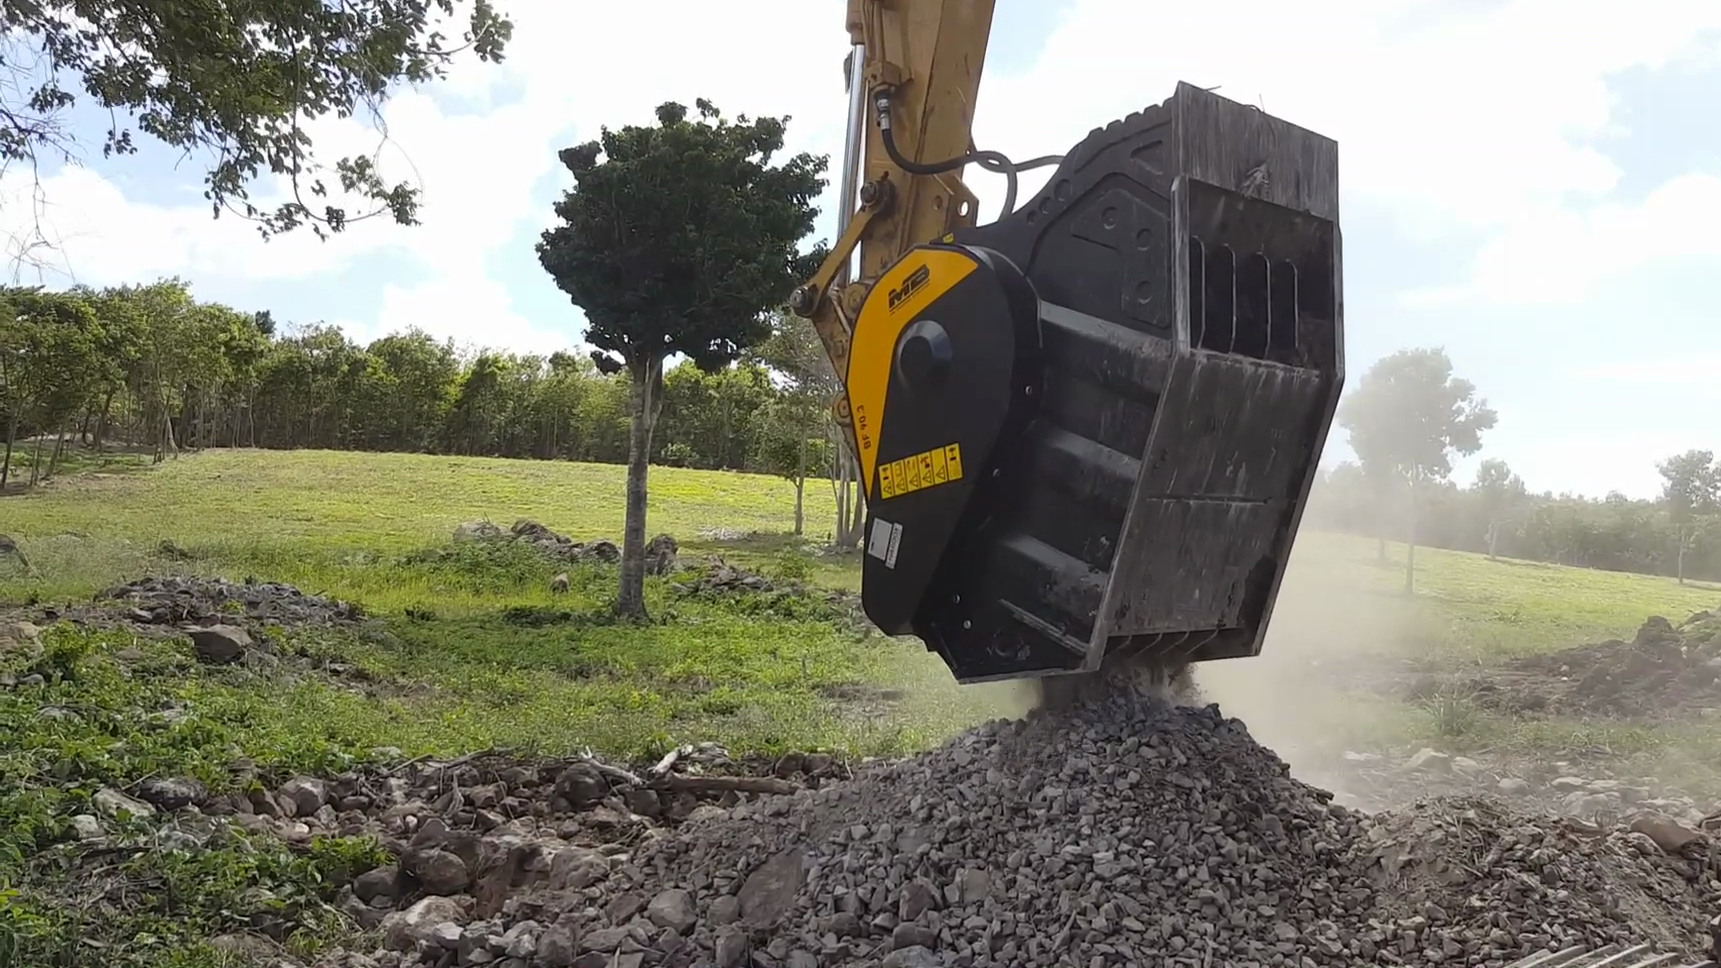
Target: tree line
{"x": 1409, "y": 416}
{"x": 681, "y": 238}
{"x": 1494, "y": 514}
{"x": 151, "y": 366}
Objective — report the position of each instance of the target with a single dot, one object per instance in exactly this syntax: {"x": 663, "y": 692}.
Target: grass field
{"x": 472, "y": 652}
{"x": 343, "y": 525}
{"x": 319, "y": 518}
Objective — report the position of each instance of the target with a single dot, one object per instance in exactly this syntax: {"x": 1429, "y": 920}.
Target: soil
{"x": 1665, "y": 672}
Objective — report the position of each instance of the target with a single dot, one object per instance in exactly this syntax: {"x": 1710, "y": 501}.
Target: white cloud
{"x": 1663, "y": 372}
{"x": 1566, "y": 257}
{"x": 1466, "y": 121}
{"x": 1454, "y": 119}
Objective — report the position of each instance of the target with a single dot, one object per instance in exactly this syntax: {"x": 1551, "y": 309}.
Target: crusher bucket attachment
{"x": 1088, "y": 429}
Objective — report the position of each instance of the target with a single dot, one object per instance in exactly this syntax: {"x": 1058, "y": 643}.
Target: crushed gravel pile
{"x": 1111, "y": 834}
{"x": 1104, "y": 836}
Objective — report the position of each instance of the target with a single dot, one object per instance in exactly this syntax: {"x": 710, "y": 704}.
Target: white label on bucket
{"x": 884, "y": 541}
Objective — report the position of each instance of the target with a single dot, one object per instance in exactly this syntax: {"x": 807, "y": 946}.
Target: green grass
{"x": 471, "y": 652}
{"x": 1468, "y": 606}
{"x": 350, "y": 525}
{"x": 346, "y": 525}
{"x": 132, "y": 902}
{"x": 319, "y": 516}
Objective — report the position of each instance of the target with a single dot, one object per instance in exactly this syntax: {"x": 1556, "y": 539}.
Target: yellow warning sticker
{"x": 941, "y": 465}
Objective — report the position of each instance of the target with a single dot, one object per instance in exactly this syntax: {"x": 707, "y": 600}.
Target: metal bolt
{"x": 967, "y": 624}
{"x": 868, "y": 193}
{"x": 802, "y": 300}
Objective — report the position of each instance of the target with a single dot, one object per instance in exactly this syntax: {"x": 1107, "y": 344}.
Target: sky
{"x": 1533, "y": 185}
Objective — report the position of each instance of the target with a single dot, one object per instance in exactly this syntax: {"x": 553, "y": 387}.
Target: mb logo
{"x": 915, "y": 282}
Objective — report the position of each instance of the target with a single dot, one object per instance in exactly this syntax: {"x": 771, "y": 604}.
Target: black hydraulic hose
{"x": 993, "y": 161}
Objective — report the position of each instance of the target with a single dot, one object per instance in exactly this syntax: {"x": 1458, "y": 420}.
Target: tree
{"x": 677, "y": 241}
{"x": 1502, "y": 494}
{"x": 795, "y": 352}
{"x": 1690, "y": 491}
{"x": 792, "y": 443}
{"x": 236, "y": 81}
{"x": 48, "y": 364}
{"x": 1384, "y": 486}
{"x": 422, "y": 378}
{"x": 163, "y": 315}
{"x": 1406, "y": 419}
{"x": 713, "y": 420}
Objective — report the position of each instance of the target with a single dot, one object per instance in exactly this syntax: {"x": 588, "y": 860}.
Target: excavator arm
{"x": 924, "y": 60}
{"x": 1086, "y": 430}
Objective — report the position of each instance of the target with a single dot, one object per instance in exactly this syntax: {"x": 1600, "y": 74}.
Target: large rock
{"x": 220, "y": 644}
{"x": 20, "y": 637}
{"x": 436, "y": 871}
{"x": 377, "y": 883}
{"x": 305, "y": 794}
{"x": 673, "y": 909}
{"x": 661, "y": 555}
{"x": 769, "y": 892}
{"x": 405, "y": 930}
{"x": 557, "y": 947}
{"x": 477, "y": 531}
{"x": 581, "y": 786}
{"x": 1669, "y": 834}
{"x": 171, "y": 794}
{"x": 112, "y": 803}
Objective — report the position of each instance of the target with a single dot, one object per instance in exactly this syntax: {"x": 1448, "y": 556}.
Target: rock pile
{"x": 191, "y": 600}
{"x": 660, "y": 552}
{"x": 1664, "y": 671}
{"x": 1111, "y": 834}
{"x": 717, "y": 578}
{"x": 1463, "y": 879}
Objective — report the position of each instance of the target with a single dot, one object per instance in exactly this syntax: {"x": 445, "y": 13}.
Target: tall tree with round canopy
{"x": 678, "y": 238}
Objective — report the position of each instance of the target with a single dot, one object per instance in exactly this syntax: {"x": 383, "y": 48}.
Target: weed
{"x": 791, "y": 564}
{"x": 1453, "y": 711}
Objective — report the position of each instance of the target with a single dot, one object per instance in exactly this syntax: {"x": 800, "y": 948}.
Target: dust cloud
{"x": 1306, "y": 695}
{"x": 1340, "y": 632}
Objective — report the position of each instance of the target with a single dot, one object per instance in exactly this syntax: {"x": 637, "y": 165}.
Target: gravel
{"x": 1107, "y": 832}
{"x": 1110, "y": 833}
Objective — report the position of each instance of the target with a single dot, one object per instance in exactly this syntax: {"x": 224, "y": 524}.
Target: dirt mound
{"x": 1663, "y": 671}
{"x": 1116, "y": 833}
